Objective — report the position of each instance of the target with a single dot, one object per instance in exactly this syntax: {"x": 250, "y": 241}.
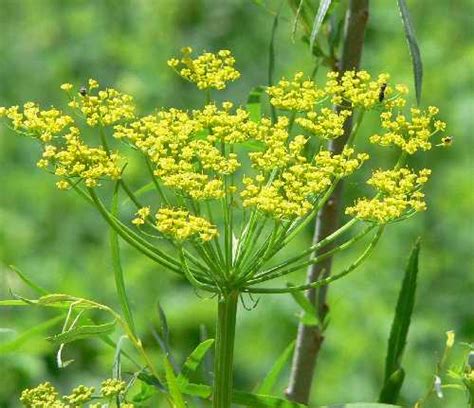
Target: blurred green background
{"x": 59, "y": 241}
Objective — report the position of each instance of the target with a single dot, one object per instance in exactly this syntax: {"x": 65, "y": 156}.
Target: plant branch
{"x": 310, "y": 338}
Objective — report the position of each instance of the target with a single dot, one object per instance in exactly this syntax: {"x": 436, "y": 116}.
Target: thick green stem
{"x": 224, "y": 352}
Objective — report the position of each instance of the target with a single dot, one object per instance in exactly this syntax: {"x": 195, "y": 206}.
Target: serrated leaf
{"x": 173, "y": 387}
{"x": 413, "y": 47}
{"x": 82, "y": 332}
{"x": 194, "y": 360}
{"x": 271, "y": 378}
{"x": 400, "y": 326}
{"x": 254, "y": 104}
{"x": 318, "y": 21}
{"x": 23, "y": 338}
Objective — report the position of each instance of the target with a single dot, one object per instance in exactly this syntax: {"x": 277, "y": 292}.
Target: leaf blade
{"x": 318, "y": 21}
{"x": 83, "y": 332}
{"x": 413, "y": 47}
{"x": 272, "y": 377}
{"x": 399, "y": 331}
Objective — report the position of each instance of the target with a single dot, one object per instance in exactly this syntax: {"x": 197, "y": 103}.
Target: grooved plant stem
{"x": 310, "y": 338}
{"x": 224, "y": 349}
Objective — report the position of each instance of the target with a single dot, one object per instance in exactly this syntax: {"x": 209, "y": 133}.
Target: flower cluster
{"x": 359, "y": 90}
{"x": 112, "y": 387}
{"x": 326, "y": 124}
{"x": 80, "y": 395}
{"x": 44, "y": 395}
{"x": 409, "y": 135}
{"x": 179, "y": 224}
{"x": 399, "y": 195}
{"x": 41, "y": 124}
{"x": 207, "y": 70}
{"x": 298, "y": 95}
{"x": 292, "y": 192}
{"x": 76, "y": 159}
{"x": 105, "y": 108}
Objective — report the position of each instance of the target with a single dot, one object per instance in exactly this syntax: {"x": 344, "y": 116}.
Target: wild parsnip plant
{"x": 233, "y": 188}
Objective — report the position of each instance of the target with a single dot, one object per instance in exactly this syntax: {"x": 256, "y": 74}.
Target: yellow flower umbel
{"x": 181, "y": 225}
{"x": 44, "y": 395}
{"x": 208, "y": 70}
{"x": 105, "y": 107}
{"x": 399, "y": 196}
{"x": 409, "y": 136}
{"x": 299, "y": 94}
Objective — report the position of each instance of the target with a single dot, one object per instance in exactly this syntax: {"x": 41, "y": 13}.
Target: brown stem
{"x": 310, "y": 338}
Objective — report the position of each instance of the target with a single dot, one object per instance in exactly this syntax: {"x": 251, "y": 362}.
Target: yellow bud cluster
{"x": 327, "y": 124}
{"x": 208, "y": 70}
{"x": 76, "y": 159}
{"x": 179, "y": 224}
{"x": 80, "y": 395}
{"x": 298, "y": 95}
{"x": 44, "y": 395}
{"x": 106, "y": 107}
{"x": 409, "y": 135}
{"x": 359, "y": 90}
{"x": 141, "y": 215}
{"x": 112, "y": 387}
{"x": 42, "y": 124}
{"x": 398, "y": 195}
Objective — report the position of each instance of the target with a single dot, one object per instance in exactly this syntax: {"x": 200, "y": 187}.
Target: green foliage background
{"x": 60, "y": 242}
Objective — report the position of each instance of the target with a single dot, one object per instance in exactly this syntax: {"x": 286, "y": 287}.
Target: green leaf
{"x": 272, "y": 377}
{"x": 254, "y": 104}
{"x": 117, "y": 266}
{"x": 362, "y": 405}
{"x": 82, "y": 332}
{"x": 399, "y": 330}
{"x": 173, "y": 387}
{"x": 244, "y": 398}
{"x": 413, "y": 47}
{"x": 318, "y": 21}
{"x": 38, "y": 289}
{"x": 309, "y": 317}
{"x": 30, "y": 334}
{"x": 194, "y": 360}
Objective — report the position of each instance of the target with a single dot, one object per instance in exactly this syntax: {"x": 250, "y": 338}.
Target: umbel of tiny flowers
{"x": 231, "y": 191}
{"x": 45, "y": 395}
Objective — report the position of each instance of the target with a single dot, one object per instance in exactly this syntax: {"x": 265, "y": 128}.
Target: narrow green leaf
{"x": 38, "y": 289}
{"x": 30, "y": 334}
{"x": 413, "y": 47}
{"x": 13, "y": 302}
{"x": 83, "y": 332}
{"x": 399, "y": 330}
{"x": 318, "y": 21}
{"x": 173, "y": 387}
{"x": 194, "y": 360}
{"x": 254, "y": 103}
{"x": 243, "y": 398}
{"x": 362, "y": 405}
{"x": 151, "y": 380}
{"x": 271, "y": 378}
{"x": 117, "y": 266}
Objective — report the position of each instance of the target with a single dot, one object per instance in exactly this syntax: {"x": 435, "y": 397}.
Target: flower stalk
{"x": 224, "y": 349}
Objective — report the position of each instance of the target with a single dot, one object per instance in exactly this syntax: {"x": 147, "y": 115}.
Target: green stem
{"x": 224, "y": 352}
